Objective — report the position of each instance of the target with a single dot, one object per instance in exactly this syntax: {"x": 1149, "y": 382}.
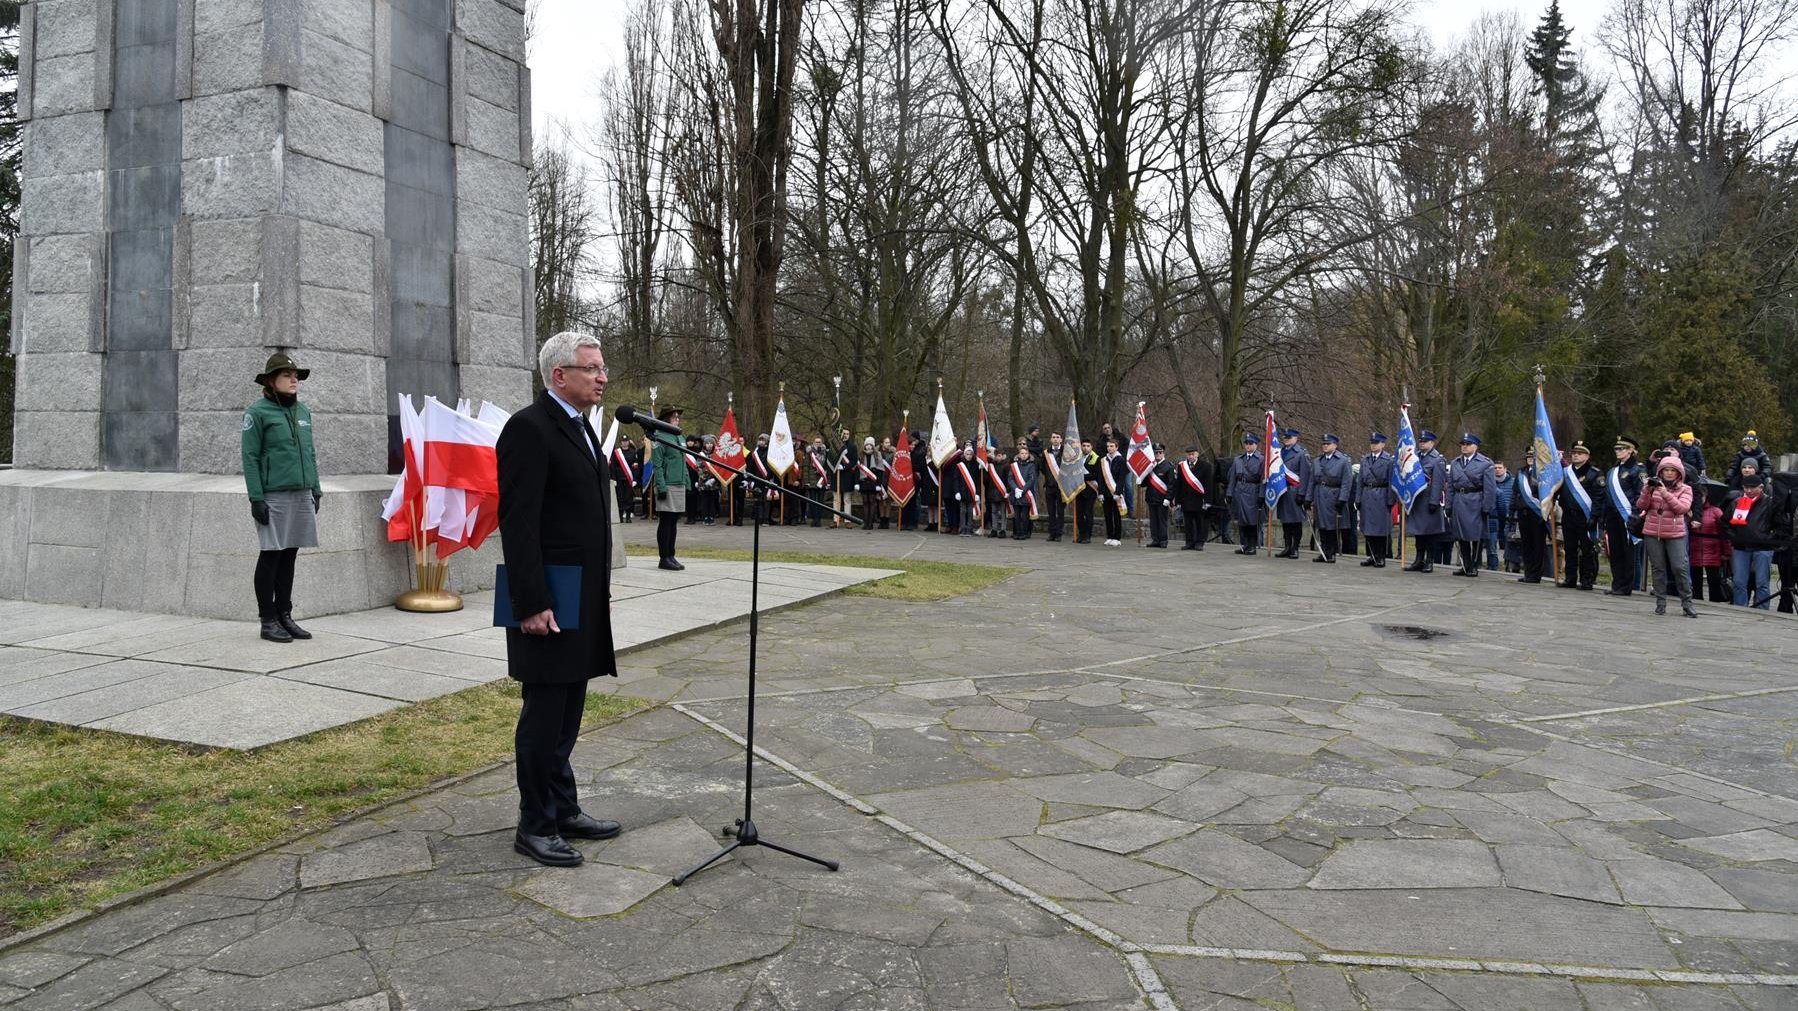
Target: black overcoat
{"x": 553, "y": 510}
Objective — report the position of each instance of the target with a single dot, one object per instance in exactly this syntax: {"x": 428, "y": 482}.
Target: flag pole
{"x": 940, "y": 525}
{"x": 836, "y": 419}
{"x": 1548, "y": 512}
{"x": 980, "y": 433}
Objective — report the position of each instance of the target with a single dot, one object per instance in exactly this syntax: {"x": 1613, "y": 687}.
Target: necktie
{"x": 580, "y": 422}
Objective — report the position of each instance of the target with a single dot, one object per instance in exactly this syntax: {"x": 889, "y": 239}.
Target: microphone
{"x": 628, "y": 415}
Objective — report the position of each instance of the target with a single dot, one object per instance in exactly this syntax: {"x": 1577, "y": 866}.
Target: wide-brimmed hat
{"x": 667, "y": 412}
{"x": 280, "y": 362}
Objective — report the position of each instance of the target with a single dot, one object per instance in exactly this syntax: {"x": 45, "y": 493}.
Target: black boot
{"x": 273, "y": 632}
{"x": 293, "y": 629}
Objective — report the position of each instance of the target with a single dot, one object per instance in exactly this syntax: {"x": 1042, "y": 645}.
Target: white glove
{"x": 958, "y": 496}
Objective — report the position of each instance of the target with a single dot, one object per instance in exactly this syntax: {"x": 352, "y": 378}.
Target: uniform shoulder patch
{"x": 248, "y": 421}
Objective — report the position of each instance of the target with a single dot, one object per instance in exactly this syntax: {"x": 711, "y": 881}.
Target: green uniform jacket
{"x": 669, "y": 463}
{"x": 277, "y": 449}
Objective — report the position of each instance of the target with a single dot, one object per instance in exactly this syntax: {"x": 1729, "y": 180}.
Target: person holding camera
{"x": 280, "y": 471}
{"x": 673, "y": 483}
{"x": 1661, "y": 511}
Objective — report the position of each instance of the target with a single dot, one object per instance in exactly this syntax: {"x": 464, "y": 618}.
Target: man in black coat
{"x": 1158, "y": 492}
{"x": 1578, "y": 527}
{"x": 553, "y": 482}
{"x": 1532, "y": 528}
{"x": 1189, "y": 495}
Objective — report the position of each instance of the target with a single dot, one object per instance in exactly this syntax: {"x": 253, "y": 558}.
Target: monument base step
{"x": 185, "y": 544}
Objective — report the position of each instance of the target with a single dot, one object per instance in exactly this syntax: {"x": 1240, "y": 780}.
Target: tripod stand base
{"x": 744, "y": 834}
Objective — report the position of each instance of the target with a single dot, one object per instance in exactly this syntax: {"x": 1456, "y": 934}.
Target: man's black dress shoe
{"x": 671, "y": 565}
{"x": 587, "y": 827}
{"x": 549, "y": 850}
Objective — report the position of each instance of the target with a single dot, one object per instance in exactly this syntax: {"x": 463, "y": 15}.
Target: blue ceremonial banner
{"x": 1408, "y": 478}
{"x": 1550, "y": 473}
{"x": 1274, "y": 481}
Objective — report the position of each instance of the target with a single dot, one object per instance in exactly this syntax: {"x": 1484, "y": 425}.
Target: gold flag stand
{"x": 430, "y": 577}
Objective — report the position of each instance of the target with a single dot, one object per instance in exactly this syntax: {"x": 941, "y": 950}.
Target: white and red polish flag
{"x": 461, "y": 474}
{"x": 406, "y": 504}
{"x": 1142, "y": 452}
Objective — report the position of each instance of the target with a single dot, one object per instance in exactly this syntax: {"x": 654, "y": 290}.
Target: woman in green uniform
{"x": 281, "y": 473}
{"x": 673, "y": 484}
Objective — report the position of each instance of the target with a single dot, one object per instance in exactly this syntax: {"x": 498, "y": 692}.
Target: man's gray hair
{"x": 559, "y": 351}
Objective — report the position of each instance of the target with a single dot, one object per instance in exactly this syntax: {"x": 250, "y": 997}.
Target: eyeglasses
{"x": 590, "y": 370}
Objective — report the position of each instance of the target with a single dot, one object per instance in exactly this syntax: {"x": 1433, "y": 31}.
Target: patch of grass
{"x": 86, "y": 815}
{"x": 918, "y": 580}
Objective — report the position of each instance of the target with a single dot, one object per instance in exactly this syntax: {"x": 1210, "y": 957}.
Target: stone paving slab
{"x": 1282, "y": 804}
{"x": 166, "y": 676}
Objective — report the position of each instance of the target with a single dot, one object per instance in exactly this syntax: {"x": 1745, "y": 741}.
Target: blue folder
{"x": 564, "y": 594}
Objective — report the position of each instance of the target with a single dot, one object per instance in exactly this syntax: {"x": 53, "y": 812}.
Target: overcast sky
{"x": 576, "y": 40}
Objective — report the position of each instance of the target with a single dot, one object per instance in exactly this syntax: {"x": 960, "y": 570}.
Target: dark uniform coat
{"x": 552, "y": 510}
{"x": 1429, "y": 515}
{"x": 1246, "y": 504}
{"x": 1291, "y": 507}
{"x": 1332, "y": 489}
{"x": 1188, "y": 498}
{"x": 1375, "y": 494}
{"x": 1473, "y": 496}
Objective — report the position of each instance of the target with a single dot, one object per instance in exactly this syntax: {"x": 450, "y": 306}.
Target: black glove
{"x": 1434, "y": 508}
{"x": 316, "y": 499}
{"x": 259, "y": 510}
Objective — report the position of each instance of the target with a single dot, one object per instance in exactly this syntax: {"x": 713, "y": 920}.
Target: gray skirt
{"x": 292, "y": 522}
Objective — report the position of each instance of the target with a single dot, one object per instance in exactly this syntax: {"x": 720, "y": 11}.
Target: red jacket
{"x": 1664, "y": 510}
{"x": 1710, "y": 542}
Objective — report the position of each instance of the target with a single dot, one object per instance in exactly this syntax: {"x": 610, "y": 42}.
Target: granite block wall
{"x": 207, "y": 181}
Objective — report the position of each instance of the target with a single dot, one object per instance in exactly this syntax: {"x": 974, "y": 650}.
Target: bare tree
{"x": 1062, "y": 105}
{"x": 563, "y": 231}
{"x": 1275, "y": 99}
{"x": 633, "y": 146}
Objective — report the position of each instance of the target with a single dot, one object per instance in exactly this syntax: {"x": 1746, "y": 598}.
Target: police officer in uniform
{"x": 1426, "y": 519}
{"x": 1622, "y": 487}
{"x": 1333, "y": 480}
{"x": 1290, "y": 509}
{"x": 1376, "y": 497}
{"x": 1580, "y": 550}
{"x": 1473, "y": 494}
{"x": 1247, "y": 507}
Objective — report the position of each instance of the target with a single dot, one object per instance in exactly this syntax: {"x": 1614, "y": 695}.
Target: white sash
{"x": 968, "y": 481}
{"x": 1191, "y": 479}
{"x": 1625, "y": 507}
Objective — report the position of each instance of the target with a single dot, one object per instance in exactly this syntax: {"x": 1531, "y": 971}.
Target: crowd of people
{"x": 1665, "y": 524}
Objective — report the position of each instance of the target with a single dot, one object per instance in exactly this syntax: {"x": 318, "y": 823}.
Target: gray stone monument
{"x": 206, "y": 181}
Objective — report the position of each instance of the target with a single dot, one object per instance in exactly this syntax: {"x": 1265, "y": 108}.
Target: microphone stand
{"x": 743, "y": 832}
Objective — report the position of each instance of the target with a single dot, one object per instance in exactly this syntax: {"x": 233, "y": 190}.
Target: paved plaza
{"x": 1121, "y": 779}
{"x": 215, "y": 683}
